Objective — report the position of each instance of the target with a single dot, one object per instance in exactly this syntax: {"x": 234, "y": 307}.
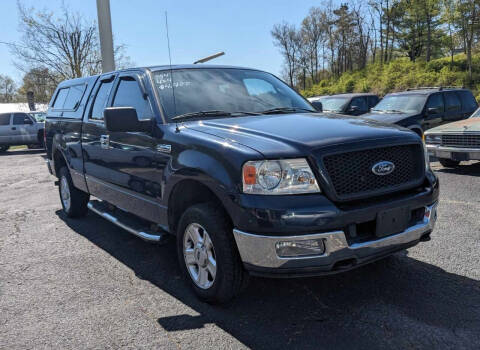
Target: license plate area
{"x": 392, "y": 221}
{"x": 460, "y": 156}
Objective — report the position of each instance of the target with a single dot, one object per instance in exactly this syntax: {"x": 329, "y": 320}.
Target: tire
{"x": 449, "y": 163}
{"x": 4, "y": 148}
{"x": 74, "y": 202}
{"x": 210, "y": 223}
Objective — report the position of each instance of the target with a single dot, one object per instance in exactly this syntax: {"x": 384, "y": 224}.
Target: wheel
{"x": 448, "y": 163}
{"x": 74, "y": 201}
{"x": 208, "y": 255}
{"x": 4, "y": 148}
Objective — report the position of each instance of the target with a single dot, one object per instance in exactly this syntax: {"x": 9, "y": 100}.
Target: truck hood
{"x": 467, "y": 125}
{"x": 387, "y": 117}
{"x": 297, "y": 133}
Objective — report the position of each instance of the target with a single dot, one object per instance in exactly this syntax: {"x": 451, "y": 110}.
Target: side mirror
{"x": 433, "y": 110}
{"x": 125, "y": 119}
{"x": 28, "y": 121}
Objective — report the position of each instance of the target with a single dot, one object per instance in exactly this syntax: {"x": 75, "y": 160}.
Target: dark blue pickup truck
{"x": 240, "y": 169}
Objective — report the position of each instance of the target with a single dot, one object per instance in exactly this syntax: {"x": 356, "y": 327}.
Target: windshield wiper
{"x": 387, "y": 110}
{"x": 285, "y": 110}
{"x": 213, "y": 113}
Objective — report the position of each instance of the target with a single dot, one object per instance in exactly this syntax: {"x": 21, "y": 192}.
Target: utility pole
{"x": 106, "y": 37}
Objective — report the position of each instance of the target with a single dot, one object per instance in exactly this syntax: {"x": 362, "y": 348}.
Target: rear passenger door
{"x": 5, "y": 128}
{"x": 453, "y": 106}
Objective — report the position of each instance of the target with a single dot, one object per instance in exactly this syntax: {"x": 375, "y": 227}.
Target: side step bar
{"x": 127, "y": 222}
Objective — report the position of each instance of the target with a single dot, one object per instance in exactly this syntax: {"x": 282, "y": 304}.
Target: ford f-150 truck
{"x": 241, "y": 169}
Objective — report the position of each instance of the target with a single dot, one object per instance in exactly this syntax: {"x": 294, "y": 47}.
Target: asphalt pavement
{"x": 70, "y": 284}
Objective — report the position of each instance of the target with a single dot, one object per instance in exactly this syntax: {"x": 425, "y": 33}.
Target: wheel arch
{"x": 188, "y": 192}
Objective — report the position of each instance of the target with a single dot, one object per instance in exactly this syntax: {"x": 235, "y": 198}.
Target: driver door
{"x": 23, "y": 129}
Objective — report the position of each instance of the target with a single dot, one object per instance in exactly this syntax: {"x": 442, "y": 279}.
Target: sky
{"x": 196, "y": 28}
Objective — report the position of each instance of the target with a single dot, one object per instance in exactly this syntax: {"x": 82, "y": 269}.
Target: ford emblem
{"x": 383, "y": 168}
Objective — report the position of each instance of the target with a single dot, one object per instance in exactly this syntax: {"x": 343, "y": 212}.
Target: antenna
{"x": 170, "y": 61}
{"x": 208, "y": 58}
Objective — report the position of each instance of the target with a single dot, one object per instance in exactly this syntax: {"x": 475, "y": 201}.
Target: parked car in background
{"x": 424, "y": 108}
{"x": 455, "y": 142}
{"x": 240, "y": 169}
{"x": 20, "y": 128}
{"x": 351, "y": 104}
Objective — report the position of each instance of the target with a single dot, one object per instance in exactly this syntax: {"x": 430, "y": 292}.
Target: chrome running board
{"x": 126, "y": 221}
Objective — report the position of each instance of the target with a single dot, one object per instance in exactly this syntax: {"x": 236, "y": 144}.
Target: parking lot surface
{"x": 85, "y": 283}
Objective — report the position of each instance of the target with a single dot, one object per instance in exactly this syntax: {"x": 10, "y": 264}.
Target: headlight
{"x": 426, "y": 156}
{"x": 288, "y": 176}
{"x": 433, "y": 139}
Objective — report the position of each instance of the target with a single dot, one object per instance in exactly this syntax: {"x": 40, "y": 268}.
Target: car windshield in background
{"x": 209, "y": 90}
{"x": 333, "y": 104}
{"x": 476, "y": 114}
{"x": 408, "y": 103}
{"x": 39, "y": 117}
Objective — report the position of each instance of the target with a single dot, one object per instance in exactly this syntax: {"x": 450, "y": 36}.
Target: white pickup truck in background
{"x": 19, "y": 128}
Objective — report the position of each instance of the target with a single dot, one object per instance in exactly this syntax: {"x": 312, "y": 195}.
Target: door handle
{"x": 14, "y": 128}
{"x": 105, "y": 141}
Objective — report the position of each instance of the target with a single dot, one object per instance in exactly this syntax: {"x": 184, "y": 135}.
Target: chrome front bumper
{"x": 258, "y": 251}
{"x": 446, "y": 152}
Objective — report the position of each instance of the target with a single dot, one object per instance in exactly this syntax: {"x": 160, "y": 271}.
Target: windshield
{"x": 223, "y": 89}
{"x": 39, "y": 117}
{"x": 334, "y": 104}
{"x": 408, "y": 103}
{"x": 476, "y": 114}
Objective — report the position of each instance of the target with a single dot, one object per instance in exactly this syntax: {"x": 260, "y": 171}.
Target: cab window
{"x": 436, "y": 101}
{"x": 129, "y": 95}
{"x": 452, "y": 102}
{"x": 372, "y": 101}
{"x": 21, "y": 119}
{"x": 74, "y": 96}
{"x": 5, "y": 119}
{"x": 60, "y": 99}
{"x": 101, "y": 99}
{"x": 469, "y": 103}
{"x": 360, "y": 104}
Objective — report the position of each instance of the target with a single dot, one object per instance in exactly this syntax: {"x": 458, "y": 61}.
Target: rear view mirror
{"x": 125, "y": 119}
{"x": 27, "y": 121}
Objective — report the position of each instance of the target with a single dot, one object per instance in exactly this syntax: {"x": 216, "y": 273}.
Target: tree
{"x": 66, "y": 44}
{"x": 285, "y": 36}
{"x": 470, "y": 11}
{"x": 41, "y": 82}
{"x": 7, "y": 89}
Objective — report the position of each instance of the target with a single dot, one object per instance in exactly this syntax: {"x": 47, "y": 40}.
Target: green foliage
{"x": 401, "y": 74}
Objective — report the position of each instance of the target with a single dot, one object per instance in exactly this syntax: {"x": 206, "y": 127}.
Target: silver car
{"x": 20, "y": 128}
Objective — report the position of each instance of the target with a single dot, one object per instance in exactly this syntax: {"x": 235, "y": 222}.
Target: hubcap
{"x": 65, "y": 193}
{"x": 199, "y": 256}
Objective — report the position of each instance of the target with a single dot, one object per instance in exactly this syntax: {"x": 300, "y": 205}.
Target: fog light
{"x": 292, "y": 249}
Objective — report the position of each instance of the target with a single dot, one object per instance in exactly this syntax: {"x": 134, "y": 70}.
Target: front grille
{"x": 465, "y": 140}
{"x": 352, "y": 176}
